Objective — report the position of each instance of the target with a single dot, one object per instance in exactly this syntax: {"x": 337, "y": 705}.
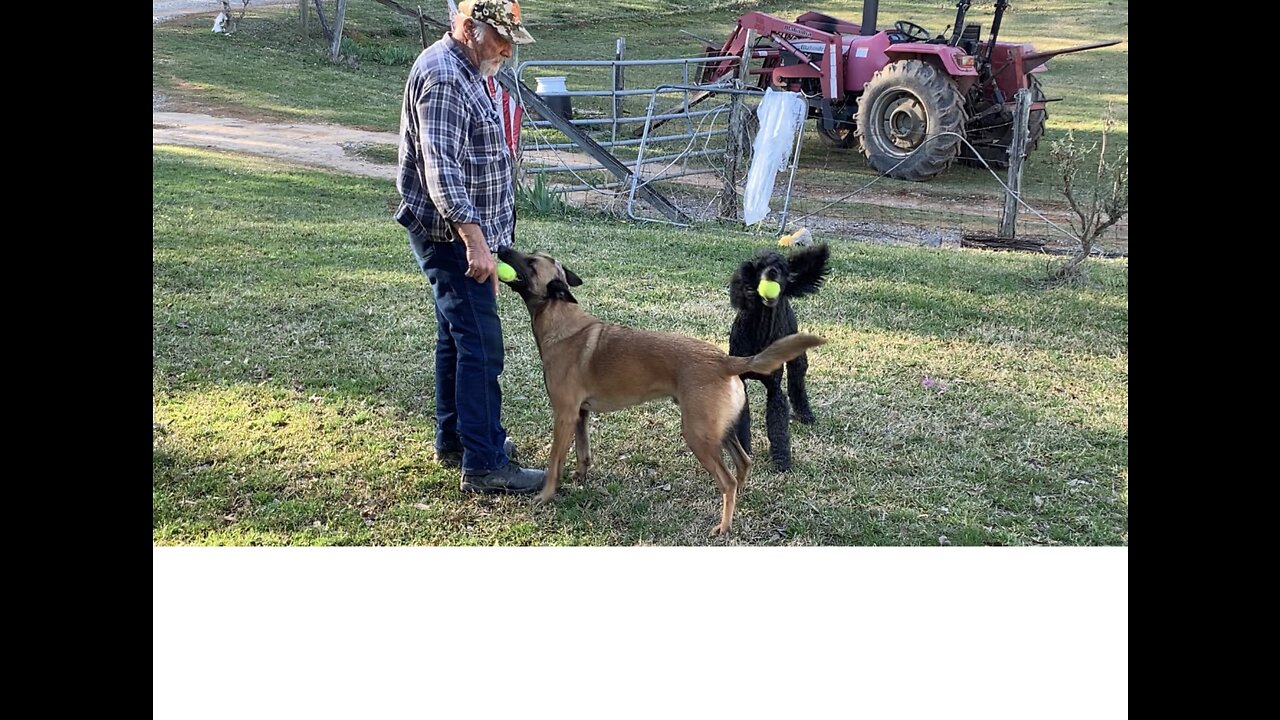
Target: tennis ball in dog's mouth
{"x": 768, "y": 289}
{"x": 506, "y": 273}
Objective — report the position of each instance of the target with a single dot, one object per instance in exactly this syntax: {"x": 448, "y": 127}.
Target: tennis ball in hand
{"x": 768, "y": 289}
{"x": 506, "y": 273}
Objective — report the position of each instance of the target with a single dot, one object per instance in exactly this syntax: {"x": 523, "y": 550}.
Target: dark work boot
{"x": 453, "y": 458}
{"x": 510, "y": 479}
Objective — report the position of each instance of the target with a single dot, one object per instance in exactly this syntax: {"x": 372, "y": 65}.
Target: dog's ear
{"x": 574, "y": 280}
{"x": 743, "y": 285}
{"x": 807, "y": 269}
{"x": 557, "y": 290}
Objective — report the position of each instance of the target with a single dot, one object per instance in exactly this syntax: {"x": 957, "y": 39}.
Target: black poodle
{"x": 760, "y": 321}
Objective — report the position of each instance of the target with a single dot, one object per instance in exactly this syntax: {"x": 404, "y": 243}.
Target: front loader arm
{"x": 779, "y": 33}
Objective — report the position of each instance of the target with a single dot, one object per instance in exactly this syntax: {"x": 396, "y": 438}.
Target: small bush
{"x": 393, "y": 55}
{"x": 538, "y": 199}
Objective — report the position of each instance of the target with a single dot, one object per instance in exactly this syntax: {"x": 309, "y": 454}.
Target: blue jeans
{"x": 468, "y": 357}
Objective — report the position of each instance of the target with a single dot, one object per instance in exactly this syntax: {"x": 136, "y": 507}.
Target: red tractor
{"x": 894, "y": 91}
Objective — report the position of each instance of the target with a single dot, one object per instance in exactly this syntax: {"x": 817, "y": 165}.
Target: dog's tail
{"x": 772, "y": 358}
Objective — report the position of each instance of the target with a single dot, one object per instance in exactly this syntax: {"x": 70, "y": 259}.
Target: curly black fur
{"x": 756, "y": 325}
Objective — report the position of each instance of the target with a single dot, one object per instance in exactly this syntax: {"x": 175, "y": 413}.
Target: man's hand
{"x": 481, "y": 266}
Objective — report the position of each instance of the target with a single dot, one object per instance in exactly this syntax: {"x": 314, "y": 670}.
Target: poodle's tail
{"x": 772, "y": 358}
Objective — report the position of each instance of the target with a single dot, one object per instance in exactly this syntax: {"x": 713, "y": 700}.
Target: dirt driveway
{"x": 162, "y": 10}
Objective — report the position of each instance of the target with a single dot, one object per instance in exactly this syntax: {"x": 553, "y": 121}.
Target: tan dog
{"x": 593, "y": 366}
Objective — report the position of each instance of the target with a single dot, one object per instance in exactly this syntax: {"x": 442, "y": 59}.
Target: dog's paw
{"x": 781, "y": 464}
{"x": 804, "y": 416}
{"x": 717, "y": 532}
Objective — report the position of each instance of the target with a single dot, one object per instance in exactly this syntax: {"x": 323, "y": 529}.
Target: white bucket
{"x": 552, "y": 91}
{"x": 551, "y": 86}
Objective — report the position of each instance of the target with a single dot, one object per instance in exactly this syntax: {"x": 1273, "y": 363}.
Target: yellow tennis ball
{"x": 506, "y": 273}
{"x": 768, "y": 289}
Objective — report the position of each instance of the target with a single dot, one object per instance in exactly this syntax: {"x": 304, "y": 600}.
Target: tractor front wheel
{"x": 902, "y": 115}
{"x": 841, "y": 136}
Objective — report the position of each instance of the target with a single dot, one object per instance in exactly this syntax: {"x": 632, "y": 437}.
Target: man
{"x": 458, "y": 206}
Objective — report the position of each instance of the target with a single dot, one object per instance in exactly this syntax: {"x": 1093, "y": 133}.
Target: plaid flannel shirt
{"x": 454, "y": 167}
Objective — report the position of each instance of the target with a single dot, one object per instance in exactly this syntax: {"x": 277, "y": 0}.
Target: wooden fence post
{"x": 619, "y": 108}
{"x": 1017, "y": 153}
{"x": 735, "y": 139}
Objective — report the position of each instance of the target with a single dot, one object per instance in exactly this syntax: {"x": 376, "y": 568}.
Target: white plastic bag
{"x": 781, "y": 114}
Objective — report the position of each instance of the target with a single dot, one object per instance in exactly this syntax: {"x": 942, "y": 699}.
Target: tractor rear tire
{"x": 901, "y": 115}
{"x": 1038, "y": 118}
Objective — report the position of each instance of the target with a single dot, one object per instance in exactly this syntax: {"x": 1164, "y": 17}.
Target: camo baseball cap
{"x": 501, "y": 15}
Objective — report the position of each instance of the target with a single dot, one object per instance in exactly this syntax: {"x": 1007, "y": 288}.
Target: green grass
{"x": 267, "y": 70}
{"x": 292, "y": 390}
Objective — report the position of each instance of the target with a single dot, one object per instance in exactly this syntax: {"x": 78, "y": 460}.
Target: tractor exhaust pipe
{"x": 870, "y": 9}
{"x": 995, "y": 28}
{"x": 962, "y": 8}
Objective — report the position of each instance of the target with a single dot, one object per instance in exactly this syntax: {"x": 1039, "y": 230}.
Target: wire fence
{"x": 671, "y": 132}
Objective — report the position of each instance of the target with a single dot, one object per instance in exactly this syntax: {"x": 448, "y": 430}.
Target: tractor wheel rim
{"x": 905, "y": 122}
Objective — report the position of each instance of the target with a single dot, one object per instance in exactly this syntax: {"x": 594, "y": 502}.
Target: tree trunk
{"x": 335, "y": 43}
{"x": 324, "y": 22}
{"x": 230, "y": 23}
